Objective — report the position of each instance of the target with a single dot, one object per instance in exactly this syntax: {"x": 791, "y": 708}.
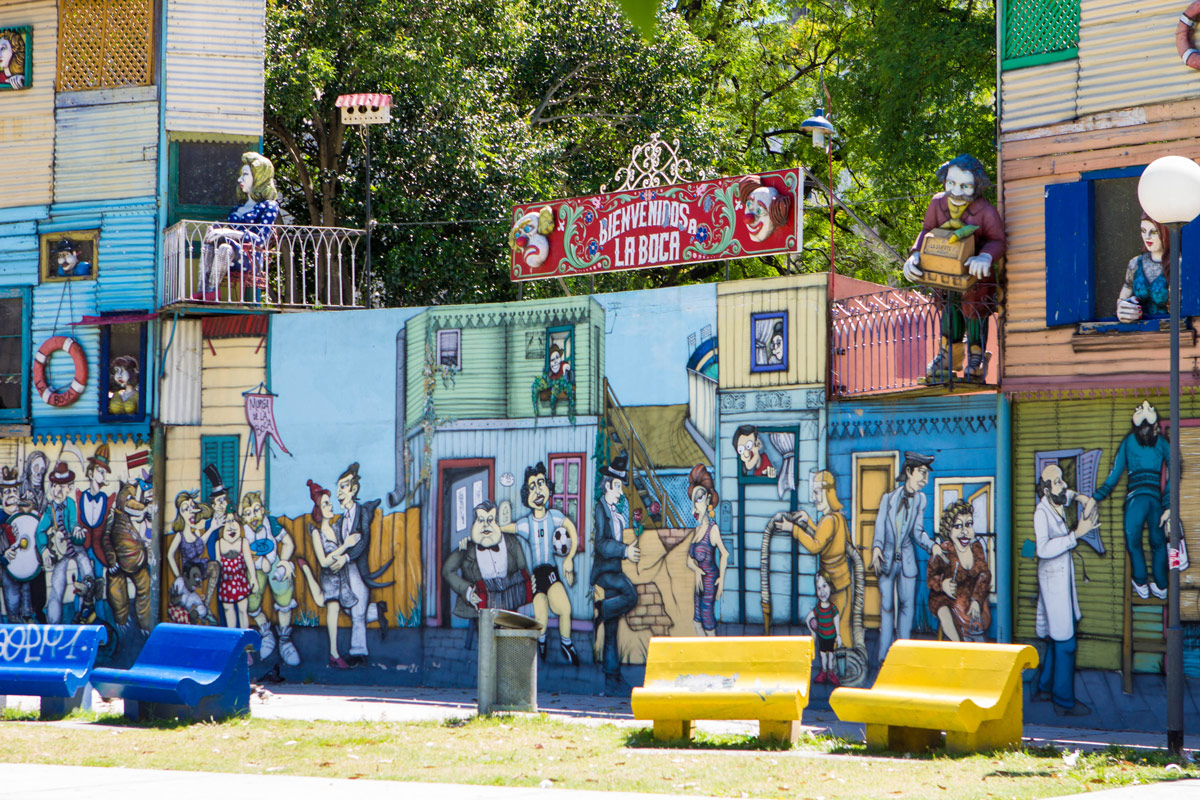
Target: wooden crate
{"x": 942, "y": 261}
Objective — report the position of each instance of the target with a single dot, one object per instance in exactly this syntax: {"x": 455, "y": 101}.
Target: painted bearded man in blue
{"x": 1144, "y": 452}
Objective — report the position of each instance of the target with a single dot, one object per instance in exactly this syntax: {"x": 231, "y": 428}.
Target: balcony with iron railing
{"x": 883, "y": 342}
{"x": 290, "y": 267}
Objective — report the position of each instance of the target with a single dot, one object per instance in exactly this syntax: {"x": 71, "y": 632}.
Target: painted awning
{"x": 117, "y": 319}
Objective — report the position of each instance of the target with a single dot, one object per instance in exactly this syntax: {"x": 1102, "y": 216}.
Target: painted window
{"x": 221, "y": 452}
{"x": 450, "y": 348}
{"x": 123, "y": 358}
{"x": 560, "y": 353}
{"x": 1039, "y": 32}
{"x": 14, "y": 354}
{"x": 769, "y": 342}
{"x": 201, "y": 178}
{"x": 1094, "y": 244}
{"x": 105, "y": 44}
{"x": 766, "y": 455}
{"x": 566, "y": 473}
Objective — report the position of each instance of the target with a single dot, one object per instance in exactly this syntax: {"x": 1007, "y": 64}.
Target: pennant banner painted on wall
{"x": 260, "y": 415}
{"x": 748, "y": 215}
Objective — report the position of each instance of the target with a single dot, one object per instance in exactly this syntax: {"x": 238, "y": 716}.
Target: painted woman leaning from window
{"x": 1146, "y": 278}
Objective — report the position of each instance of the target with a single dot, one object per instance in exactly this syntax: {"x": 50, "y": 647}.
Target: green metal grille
{"x": 1036, "y": 28}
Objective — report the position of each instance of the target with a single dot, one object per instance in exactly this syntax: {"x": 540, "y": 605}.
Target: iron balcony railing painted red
{"x": 883, "y": 341}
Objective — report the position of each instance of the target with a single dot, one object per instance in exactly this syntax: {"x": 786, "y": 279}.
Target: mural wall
{"x": 916, "y": 481}
{"x": 1089, "y": 547}
{"x": 77, "y": 542}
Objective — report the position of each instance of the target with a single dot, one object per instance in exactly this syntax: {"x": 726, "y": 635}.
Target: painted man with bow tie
{"x": 899, "y": 530}
{"x": 489, "y": 570}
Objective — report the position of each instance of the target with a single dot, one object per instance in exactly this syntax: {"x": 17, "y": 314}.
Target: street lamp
{"x": 1169, "y": 191}
{"x": 822, "y": 132}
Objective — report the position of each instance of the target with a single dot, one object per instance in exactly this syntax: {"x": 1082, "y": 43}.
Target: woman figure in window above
{"x": 242, "y": 245}
{"x": 1146, "y": 278}
{"x": 123, "y": 390}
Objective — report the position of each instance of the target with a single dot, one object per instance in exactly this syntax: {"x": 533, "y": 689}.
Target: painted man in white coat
{"x": 1058, "y": 605}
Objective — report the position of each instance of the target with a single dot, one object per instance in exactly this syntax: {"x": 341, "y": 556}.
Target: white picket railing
{"x": 299, "y": 266}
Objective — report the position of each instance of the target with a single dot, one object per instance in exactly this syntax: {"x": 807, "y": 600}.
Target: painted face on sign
{"x": 962, "y": 531}
{"x": 66, "y": 260}
{"x": 529, "y": 236}
{"x": 758, "y": 213}
{"x": 10, "y": 497}
{"x": 485, "y": 531}
{"x": 960, "y": 186}
{"x": 6, "y": 53}
{"x": 539, "y": 491}
{"x": 749, "y": 450}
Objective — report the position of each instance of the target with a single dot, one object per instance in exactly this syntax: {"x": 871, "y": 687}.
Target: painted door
{"x": 874, "y": 476}
{"x": 462, "y": 490}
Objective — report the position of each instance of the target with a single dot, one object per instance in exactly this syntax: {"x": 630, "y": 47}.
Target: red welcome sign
{"x": 748, "y": 215}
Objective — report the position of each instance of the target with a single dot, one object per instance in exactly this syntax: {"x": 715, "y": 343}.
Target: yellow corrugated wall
{"x": 804, "y": 298}
{"x": 27, "y": 121}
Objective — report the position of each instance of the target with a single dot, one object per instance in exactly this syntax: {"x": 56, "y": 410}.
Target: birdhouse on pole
{"x": 365, "y": 109}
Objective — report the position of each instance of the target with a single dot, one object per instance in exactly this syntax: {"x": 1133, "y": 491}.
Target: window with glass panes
{"x": 14, "y": 352}
{"x": 566, "y": 472}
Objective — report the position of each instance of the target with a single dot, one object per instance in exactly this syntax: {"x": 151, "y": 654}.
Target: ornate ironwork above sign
{"x": 649, "y": 168}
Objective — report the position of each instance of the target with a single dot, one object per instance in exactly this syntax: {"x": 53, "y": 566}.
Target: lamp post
{"x": 1169, "y": 191}
{"x": 822, "y": 132}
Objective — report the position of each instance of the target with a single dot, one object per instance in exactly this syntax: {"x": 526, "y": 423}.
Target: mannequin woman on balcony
{"x": 242, "y": 246}
{"x": 1147, "y": 277}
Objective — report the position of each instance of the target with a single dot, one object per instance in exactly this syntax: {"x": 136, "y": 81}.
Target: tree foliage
{"x": 498, "y": 102}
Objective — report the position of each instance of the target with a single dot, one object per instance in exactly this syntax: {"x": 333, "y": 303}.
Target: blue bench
{"x": 53, "y": 662}
{"x": 185, "y": 671}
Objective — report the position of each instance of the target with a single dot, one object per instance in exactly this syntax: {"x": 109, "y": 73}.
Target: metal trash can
{"x": 507, "y": 672}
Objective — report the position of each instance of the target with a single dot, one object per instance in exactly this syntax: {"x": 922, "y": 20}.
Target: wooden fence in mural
{"x": 396, "y": 536}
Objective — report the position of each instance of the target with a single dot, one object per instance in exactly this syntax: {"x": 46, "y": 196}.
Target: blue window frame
{"x": 14, "y": 354}
{"x": 1084, "y": 259}
{"x": 769, "y": 342}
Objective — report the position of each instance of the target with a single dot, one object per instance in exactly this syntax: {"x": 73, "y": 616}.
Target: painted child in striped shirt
{"x": 825, "y": 623}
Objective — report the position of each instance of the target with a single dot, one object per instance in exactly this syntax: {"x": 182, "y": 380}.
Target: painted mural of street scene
{"x": 77, "y": 531}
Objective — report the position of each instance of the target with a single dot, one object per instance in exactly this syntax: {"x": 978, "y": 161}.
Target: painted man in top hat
{"x": 218, "y": 501}
{"x": 92, "y": 504}
{"x": 57, "y": 537}
{"x": 899, "y": 530}
{"x": 611, "y": 552}
{"x": 356, "y": 518}
{"x": 18, "y": 600}
{"x": 962, "y": 204}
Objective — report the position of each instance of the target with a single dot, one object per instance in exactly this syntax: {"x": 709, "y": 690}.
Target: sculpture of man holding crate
{"x": 960, "y": 248}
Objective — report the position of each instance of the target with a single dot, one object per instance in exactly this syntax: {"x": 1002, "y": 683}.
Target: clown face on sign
{"x": 528, "y": 236}
{"x": 765, "y": 209}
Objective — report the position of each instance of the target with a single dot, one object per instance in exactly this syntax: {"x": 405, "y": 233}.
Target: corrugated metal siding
{"x": 106, "y": 151}
{"x": 803, "y": 297}
{"x": 1127, "y": 55}
{"x": 1036, "y": 96}
{"x": 125, "y": 283}
{"x": 27, "y": 124}
{"x": 19, "y": 245}
{"x": 180, "y": 400}
{"x": 214, "y": 85}
{"x": 1087, "y": 424}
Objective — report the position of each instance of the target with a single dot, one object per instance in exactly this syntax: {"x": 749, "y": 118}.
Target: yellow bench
{"x": 970, "y": 691}
{"x": 727, "y": 677}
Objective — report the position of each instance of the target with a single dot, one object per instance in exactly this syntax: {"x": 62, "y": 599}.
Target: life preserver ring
{"x": 78, "y": 384}
{"x": 1183, "y": 36}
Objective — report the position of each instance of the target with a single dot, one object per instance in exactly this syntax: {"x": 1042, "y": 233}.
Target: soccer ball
{"x": 562, "y": 541}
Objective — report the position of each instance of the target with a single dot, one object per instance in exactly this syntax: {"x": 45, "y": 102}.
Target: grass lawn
{"x": 525, "y": 750}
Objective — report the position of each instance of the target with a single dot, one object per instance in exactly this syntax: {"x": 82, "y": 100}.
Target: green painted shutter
{"x": 221, "y": 451}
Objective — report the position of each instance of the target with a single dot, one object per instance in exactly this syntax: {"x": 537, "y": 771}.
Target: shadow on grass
{"x": 644, "y": 738}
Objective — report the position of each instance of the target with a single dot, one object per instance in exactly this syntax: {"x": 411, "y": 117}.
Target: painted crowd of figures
{"x": 241, "y": 556}
{"x": 72, "y": 552}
